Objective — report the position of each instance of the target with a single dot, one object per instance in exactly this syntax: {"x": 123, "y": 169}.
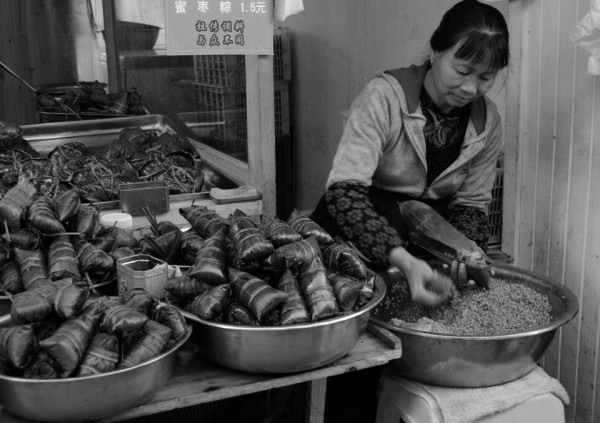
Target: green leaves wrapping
{"x": 317, "y": 290}
{"x": 307, "y": 227}
{"x": 249, "y": 242}
{"x": 294, "y": 308}
{"x": 255, "y": 293}
{"x": 101, "y": 356}
{"x": 211, "y": 263}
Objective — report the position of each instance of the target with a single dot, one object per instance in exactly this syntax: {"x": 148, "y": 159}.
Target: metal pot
{"x": 282, "y": 349}
{"x": 85, "y": 398}
{"x": 479, "y": 361}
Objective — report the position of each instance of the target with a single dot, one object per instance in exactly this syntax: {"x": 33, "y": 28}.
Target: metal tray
{"x": 97, "y": 135}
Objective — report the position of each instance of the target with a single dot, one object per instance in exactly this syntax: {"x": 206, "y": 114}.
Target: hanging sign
{"x": 219, "y": 27}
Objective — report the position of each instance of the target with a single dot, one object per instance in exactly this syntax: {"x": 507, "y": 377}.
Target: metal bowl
{"x": 282, "y": 349}
{"x": 85, "y": 398}
{"x": 480, "y": 361}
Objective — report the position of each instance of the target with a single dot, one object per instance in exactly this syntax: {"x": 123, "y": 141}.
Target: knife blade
{"x": 478, "y": 269}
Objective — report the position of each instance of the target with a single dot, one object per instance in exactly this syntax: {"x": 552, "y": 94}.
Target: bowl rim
{"x": 6, "y": 320}
{"x": 379, "y": 294}
{"x": 569, "y": 297}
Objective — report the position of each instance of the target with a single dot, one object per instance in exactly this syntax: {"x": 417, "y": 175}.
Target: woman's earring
{"x": 431, "y": 60}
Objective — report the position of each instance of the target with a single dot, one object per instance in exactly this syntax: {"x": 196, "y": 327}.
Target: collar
{"x": 412, "y": 78}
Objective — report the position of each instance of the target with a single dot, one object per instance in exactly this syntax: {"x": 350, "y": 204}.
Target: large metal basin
{"x": 282, "y": 349}
{"x": 479, "y": 361}
{"x": 85, "y": 398}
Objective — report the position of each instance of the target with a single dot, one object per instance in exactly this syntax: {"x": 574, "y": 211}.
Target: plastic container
{"x": 120, "y": 220}
{"x": 399, "y": 403}
{"x": 135, "y": 196}
{"x": 142, "y": 271}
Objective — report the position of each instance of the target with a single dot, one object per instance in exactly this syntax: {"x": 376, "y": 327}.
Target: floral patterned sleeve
{"x": 349, "y": 205}
{"x": 472, "y": 222}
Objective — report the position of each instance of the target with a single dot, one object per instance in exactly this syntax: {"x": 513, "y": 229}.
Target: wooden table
{"x": 197, "y": 380}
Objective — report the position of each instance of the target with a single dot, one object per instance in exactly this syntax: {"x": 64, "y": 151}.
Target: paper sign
{"x": 219, "y": 27}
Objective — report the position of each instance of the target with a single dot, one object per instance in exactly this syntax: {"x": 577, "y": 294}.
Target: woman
{"x": 429, "y": 133}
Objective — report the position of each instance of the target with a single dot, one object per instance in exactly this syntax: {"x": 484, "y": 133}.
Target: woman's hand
{"x": 420, "y": 277}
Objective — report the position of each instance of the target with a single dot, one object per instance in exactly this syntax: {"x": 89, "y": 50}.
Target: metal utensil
{"x": 474, "y": 361}
{"x": 478, "y": 269}
{"x": 76, "y": 399}
{"x": 9, "y": 70}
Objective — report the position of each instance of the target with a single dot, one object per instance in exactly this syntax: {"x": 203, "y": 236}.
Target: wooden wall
{"x": 552, "y": 141}
{"x": 554, "y": 174}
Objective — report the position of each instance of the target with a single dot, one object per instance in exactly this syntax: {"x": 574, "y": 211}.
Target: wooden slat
{"x": 315, "y": 408}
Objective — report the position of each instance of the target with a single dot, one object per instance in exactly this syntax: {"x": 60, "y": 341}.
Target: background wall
{"x": 552, "y": 153}
{"x": 553, "y": 173}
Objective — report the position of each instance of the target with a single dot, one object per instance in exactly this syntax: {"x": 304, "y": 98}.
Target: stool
{"x": 399, "y": 403}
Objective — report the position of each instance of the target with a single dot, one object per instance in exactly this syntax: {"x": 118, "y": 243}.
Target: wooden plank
{"x": 201, "y": 381}
{"x": 315, "y": 407}
{"x": 112, "y": 55}
{"x": 261, "y": 128}
{"x": 560, "y": 178}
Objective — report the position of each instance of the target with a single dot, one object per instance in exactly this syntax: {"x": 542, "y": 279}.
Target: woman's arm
{"x": 349, "y": 205}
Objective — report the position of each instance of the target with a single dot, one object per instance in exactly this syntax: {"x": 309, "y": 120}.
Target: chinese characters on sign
{"x": 219, "y": 27}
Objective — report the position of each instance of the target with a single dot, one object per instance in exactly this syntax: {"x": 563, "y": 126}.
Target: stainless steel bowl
{"x": 282, "y": 349}
{"x": 479, "y": 361}
{"x": 85, "y": 398}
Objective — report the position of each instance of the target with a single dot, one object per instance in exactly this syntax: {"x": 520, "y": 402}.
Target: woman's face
{"x": 456, "y": 82}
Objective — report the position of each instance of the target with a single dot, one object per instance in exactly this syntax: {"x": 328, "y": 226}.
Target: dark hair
{"x": 481, "y": 30}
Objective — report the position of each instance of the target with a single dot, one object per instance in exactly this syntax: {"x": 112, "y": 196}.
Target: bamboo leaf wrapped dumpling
{"x": 255, "y": 293}
{"x": 308, "y": 227}
{"x": 18, "y": 345}
{"x": 10, "y": 278}
{"x": 238, "y": 314}
{"x": 66, "y": 204}
{"x": 170, "y": 316}
{"x": 294, "y": 308}
{"x": 34, "y": 269}
{"x": 118, "y": 319}
{"x": 291, "y": 256}
{"x": 101, "y": 356}
{"x": 33, "y": 305}
{"x": 43, "y": 366}
{"x": 138, "y": 299}
{"x": 346, "y": 290}
{"x": 185, "y": 287}
{"x": 42, "y": 217}
{"x": 204, "y": 221}
{"x": 13, "y": 204}
{"x": 249, "y": 242}
{"x": 317, "y": 290}
{"x": 70, "y": 300}
{"x": 191, "y": 243}
{"x": 92, "y": 260}
{"x": 62, "y": 260}
{"x": 343, "y": 258}
{"x": 145, "y": 344}
{"x": 280, "y": 233}
{"x": 68, "y": 344}
{"x": 211, "y": 263}
{"x": 210, "y": 304}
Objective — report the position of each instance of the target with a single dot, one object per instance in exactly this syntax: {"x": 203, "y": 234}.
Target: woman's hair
{"x": 479, "y": 28}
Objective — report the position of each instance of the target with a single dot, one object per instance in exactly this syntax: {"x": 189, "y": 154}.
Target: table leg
{"x": 315, "y": 400}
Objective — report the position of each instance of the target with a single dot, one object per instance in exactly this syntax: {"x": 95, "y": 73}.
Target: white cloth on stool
{"x": 466, "y": 405}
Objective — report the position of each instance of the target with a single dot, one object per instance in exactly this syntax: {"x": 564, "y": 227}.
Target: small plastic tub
{"x": 120, "y": 220}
